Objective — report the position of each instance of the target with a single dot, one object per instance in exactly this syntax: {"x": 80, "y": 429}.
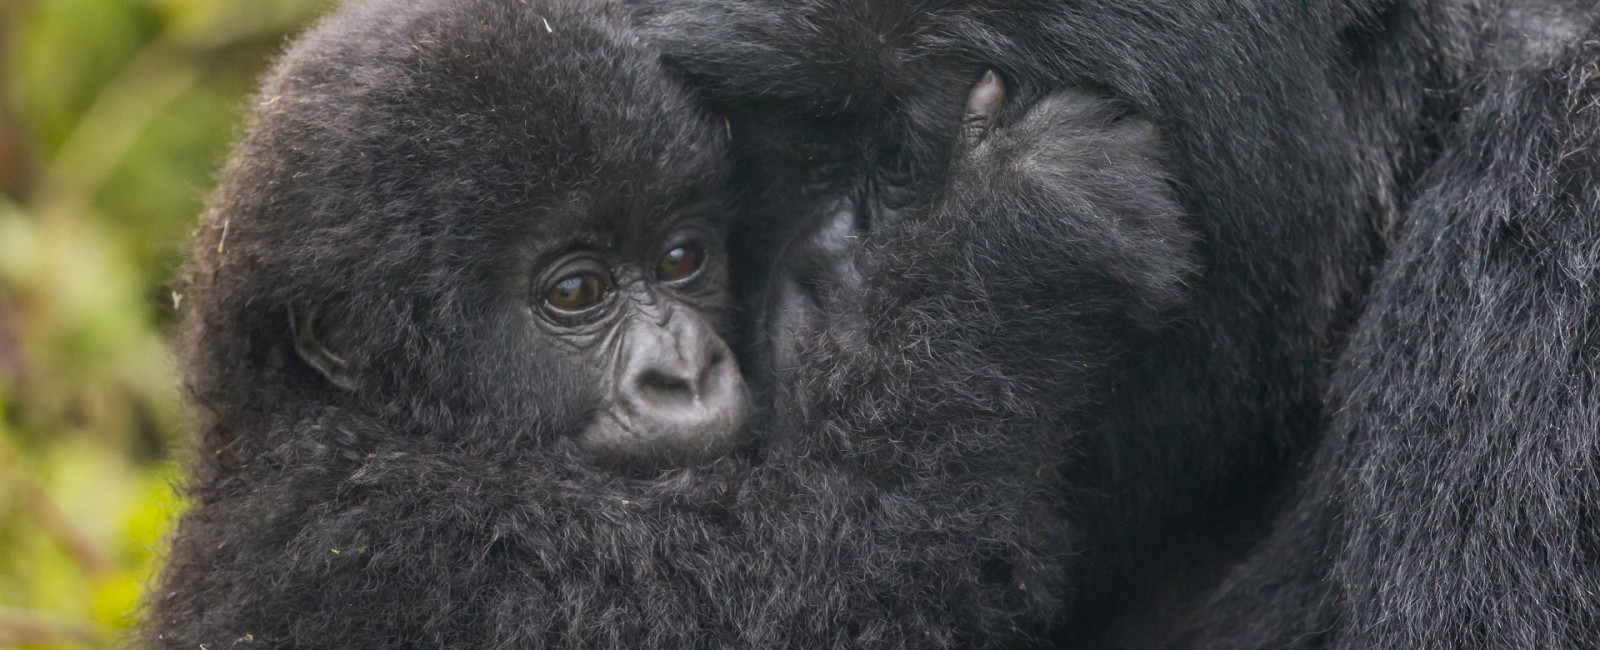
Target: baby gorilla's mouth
{"x": 687, "y": 435}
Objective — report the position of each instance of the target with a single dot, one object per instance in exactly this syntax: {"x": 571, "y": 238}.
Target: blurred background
{"x": 114, "y": 116}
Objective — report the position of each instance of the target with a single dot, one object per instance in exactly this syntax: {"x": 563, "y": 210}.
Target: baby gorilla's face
{"x": 513, "y": 220}
{"x": 637, "y": 297}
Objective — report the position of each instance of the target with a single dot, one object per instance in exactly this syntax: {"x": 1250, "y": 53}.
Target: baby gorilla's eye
{"x": 680, "y": 262}
{"x": 576, "y": 292}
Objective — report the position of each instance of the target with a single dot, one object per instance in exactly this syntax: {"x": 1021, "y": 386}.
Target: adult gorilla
{"x": 1367, "y": 419}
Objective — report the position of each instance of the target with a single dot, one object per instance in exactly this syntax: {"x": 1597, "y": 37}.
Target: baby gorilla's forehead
{"x": 620, "y": 213}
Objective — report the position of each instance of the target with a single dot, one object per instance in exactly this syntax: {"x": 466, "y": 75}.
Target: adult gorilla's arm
{"x": 1455, "y": 502}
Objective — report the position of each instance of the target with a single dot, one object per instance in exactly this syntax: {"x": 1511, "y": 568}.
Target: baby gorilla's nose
{"x": 680, "y": 386}
{"x": 679, "y": 399}
{"x": 689, "y": 388}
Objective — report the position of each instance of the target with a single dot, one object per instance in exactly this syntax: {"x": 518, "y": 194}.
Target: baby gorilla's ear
{"x": 312, "y": 351}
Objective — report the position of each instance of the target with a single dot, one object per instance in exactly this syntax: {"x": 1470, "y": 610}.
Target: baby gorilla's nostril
{"x": 712, "y": 370}
{"x": 663, "y": 385}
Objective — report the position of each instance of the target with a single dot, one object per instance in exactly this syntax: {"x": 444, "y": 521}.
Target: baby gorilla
{"x": 414, "y": 173}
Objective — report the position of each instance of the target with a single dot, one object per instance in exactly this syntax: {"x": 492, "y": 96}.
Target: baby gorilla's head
{"x": 485, "y": 222}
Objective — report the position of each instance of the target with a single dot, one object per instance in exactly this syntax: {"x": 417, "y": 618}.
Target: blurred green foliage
{"x": 114, "y": 114}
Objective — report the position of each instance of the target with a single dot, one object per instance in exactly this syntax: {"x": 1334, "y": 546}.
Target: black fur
{"x": 398, "y": 153}
{"x": 1254, "y": 325}
{"x": 1453, "y": 501}
{"x": 1359, "y": 413}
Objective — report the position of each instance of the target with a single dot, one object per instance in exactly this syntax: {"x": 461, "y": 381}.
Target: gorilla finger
{"x": 983, "y": 107}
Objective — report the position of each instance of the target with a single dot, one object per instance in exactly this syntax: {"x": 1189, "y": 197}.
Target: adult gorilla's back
{"x": 1368, "y": 419}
